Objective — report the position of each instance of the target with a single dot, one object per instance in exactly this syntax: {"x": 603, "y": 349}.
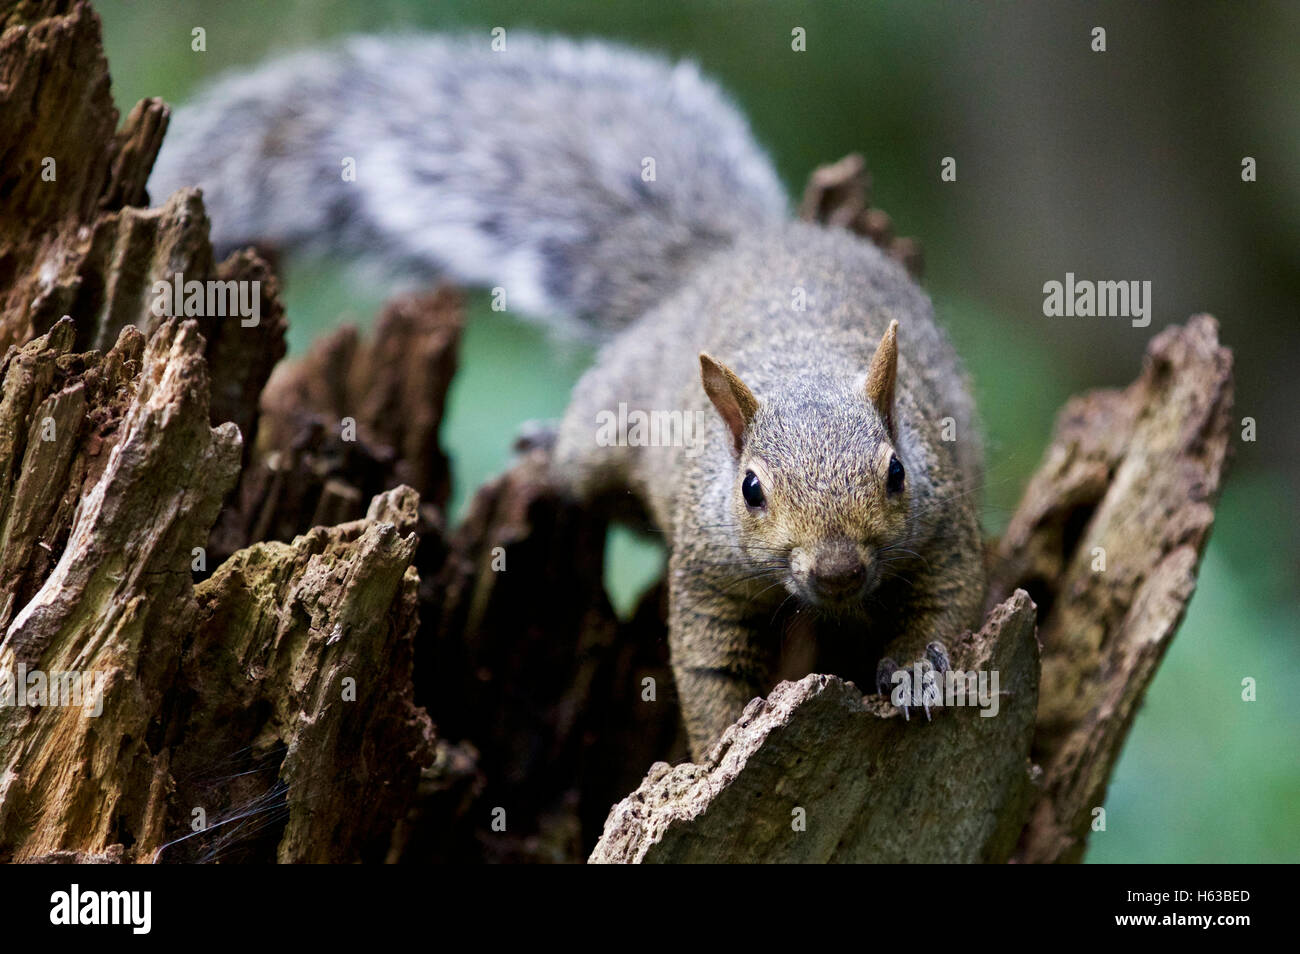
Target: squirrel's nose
{"x": 838, "y": 572}
{"x": 839, "y": 584}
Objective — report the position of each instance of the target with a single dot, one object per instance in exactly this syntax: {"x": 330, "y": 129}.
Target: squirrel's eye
{"x": 752, "y": 491}
{"x": 895, "y": 482}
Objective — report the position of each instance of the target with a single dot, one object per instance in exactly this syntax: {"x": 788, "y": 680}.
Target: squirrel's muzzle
{"x": 838, "y": 573}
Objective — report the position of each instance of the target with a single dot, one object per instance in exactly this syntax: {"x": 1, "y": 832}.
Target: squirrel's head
{"x": 822, "y": 489}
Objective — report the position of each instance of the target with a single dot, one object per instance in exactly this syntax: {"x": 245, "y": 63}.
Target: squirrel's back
{"x": 585, "y": 179}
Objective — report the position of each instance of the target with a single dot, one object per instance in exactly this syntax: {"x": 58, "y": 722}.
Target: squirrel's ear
{"x": 881, "y": 376}
{"x": 735, "y": 402}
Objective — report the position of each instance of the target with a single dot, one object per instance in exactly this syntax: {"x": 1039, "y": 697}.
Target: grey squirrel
{"x": 822, "y": 474}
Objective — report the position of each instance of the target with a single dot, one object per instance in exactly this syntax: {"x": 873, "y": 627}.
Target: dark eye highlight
{"x": 752, "y": 491}
{"x": 894, "y": 484}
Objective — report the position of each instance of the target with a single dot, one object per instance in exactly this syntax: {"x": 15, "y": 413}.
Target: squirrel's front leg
{"x": 943, "y": 600}
{"x": 717, "y": 662}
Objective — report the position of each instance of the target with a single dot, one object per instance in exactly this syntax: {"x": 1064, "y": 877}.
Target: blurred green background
{"x": 1121, "y": 165}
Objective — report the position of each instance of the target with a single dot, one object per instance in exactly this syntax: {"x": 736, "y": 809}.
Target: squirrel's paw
{"x": 537, "y": 434}
{"x": 919, "y": 684}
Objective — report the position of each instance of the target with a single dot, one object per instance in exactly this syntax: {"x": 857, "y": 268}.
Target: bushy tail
{"x": 582, "y": 178}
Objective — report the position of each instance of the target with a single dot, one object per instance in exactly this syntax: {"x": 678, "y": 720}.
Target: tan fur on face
{"x": 813, "y": 521}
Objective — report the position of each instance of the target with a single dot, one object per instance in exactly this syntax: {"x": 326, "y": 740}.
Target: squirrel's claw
{"x": 931, "y": 668}
{"x": 937, "y": 653}
{"x": 885, "y": 683}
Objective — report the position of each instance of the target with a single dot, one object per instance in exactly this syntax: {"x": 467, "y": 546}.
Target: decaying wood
{"x": 111, "y": 478}
{"x": 307, "y": 469}
{"x": 1108, "y": 537}
{"x": 817, "y": 773}
{"x": 299, "y": 699}
{"x": 229, "y": 700}
{"x": 303, "y": 664}
{"x": 116, "y": 604}
{"x": 521, "y": 653}
{"x": 76, "y": 245}
{"x": 839, "y": 194}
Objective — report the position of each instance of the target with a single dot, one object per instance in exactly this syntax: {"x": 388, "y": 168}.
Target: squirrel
{"x": 839, "y": 456}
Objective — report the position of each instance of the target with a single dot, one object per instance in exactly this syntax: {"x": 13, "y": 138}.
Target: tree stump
{"x": 300, "y": 661}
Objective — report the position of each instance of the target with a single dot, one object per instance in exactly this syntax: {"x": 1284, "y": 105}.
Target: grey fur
{"x": 520, "y": 168}
{"x": 819, "y": 439}
{"x": 807, "y": 364}
{"x": 523, "y": 169}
